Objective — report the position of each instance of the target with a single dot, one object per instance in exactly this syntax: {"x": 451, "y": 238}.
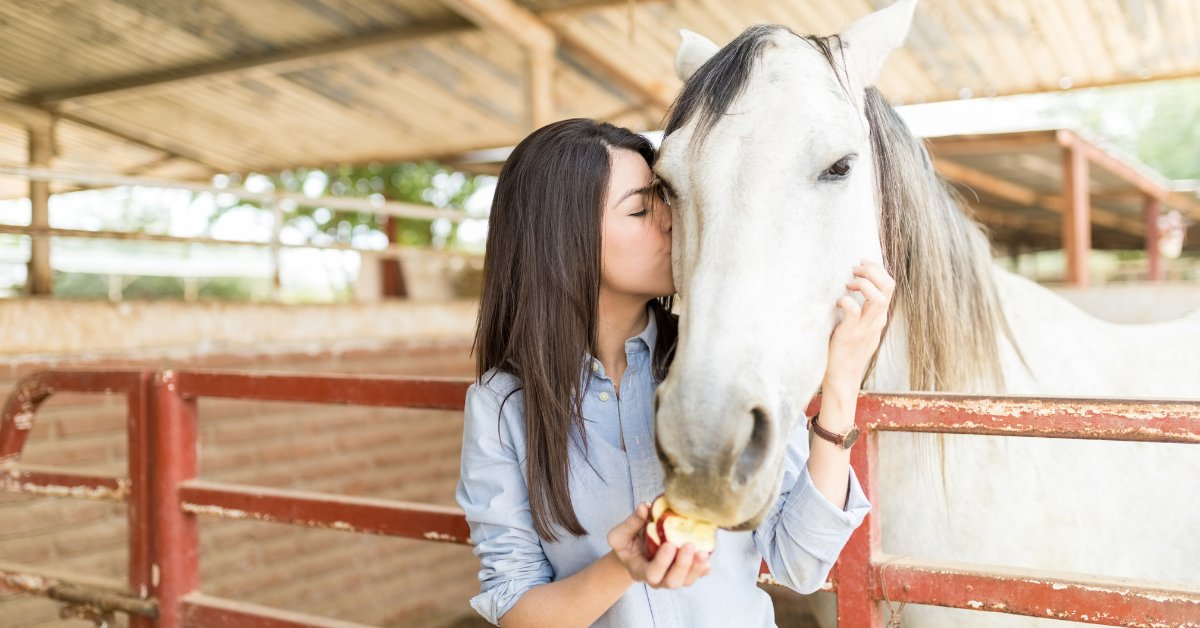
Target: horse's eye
{"x": 840, "y": 169}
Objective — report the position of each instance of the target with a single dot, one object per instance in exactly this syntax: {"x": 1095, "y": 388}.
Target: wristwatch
{"x": 844, "y": 441}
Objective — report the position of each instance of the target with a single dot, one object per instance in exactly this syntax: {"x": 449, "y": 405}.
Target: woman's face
{"x": 636, "y": 235}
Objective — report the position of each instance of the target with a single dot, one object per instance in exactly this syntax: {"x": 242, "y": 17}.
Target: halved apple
{"x": 668, "y": 526}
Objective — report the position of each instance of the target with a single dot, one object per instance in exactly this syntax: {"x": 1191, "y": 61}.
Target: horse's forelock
{"x": 719, "y": 81}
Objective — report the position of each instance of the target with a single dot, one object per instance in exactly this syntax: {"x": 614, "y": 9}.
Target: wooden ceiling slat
{"x": 1015, "y": 30}
{"x": 1078, "y": 51}
{"x": 149, "y": 119}
{"x": 986, "y": 38}
{"x": 327, "y": 123}
{"x": 1102, "y": 63}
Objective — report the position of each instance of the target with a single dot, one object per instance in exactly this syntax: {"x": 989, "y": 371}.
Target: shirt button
{"x": 604, "y": 396}
{"x": 595, "y": 366}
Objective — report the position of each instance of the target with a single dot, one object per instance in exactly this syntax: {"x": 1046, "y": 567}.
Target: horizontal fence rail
{"x": 163, "y": 577}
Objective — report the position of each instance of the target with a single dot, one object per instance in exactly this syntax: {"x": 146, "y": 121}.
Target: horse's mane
{"x": 942, "y": 263}
{"x": 938, "y": 254}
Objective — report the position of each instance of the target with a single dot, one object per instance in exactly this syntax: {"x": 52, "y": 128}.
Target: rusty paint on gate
{"x": 1103, "y": 419}
{"x": 51, "y": 484}
{"x": 1035, "y": 593}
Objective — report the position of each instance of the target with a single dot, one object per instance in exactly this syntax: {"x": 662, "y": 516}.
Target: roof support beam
{"x": 31, "y": 118}
{"x": 534, "y": 35}
{"x": 302, "y": 57}
{"x": 1021, "y": 195}
{"x": 1140, "y": 180}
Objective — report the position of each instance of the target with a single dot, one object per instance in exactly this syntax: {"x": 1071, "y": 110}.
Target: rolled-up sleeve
{"x": 492, "y": 492}
{"x": 804, "y": 532}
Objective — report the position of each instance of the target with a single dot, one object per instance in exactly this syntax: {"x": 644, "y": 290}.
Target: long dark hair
{"x": 541, "y": 289}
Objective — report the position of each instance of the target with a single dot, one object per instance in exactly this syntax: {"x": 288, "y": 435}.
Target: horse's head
{"x": 768, "y": 159}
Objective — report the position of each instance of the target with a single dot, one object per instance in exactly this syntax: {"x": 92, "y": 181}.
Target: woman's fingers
{"x": 678, "y": 573}
{"x": 625, "y": 533}
{"x": 851, "y": 307}
{"x": 876, "y": 306}
{"x": 700, "y": 567}
{"x": 877, "y": 275}
{"x": 869, "y": 290}
{"x": 656, "y": 570}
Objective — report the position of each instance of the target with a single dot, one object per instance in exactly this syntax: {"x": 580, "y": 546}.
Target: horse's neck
{"x": 890, "y": 373}
{"x": 1065, "y": 351}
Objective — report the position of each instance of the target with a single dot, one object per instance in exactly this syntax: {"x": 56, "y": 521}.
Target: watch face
{"x": 850, "y": 437}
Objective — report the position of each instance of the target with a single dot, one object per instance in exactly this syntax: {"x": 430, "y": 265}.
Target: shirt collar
{"x": 642, "y": 342}
{"x": 648, "y": 336}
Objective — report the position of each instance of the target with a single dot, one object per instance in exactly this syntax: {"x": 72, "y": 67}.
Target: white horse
{"x": 787, "y": 167}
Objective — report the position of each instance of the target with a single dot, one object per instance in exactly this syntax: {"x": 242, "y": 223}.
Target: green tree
{"x": 1159, "y": 122}
{"x": 425, "y": 183}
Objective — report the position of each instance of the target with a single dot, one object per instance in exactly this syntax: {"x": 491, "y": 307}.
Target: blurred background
{"x": 305, "y": 186}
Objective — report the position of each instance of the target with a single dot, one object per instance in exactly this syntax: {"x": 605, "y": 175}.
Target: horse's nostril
{"x": 755, "y": 452}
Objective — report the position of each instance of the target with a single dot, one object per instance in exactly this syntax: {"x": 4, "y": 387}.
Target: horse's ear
{"x": 871, "y": 39}
{"x": 694, "y": 50}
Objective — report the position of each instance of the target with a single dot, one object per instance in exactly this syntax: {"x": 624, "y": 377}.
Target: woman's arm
{"x": 854, "y": 341}
{"x": 577, "y": 600}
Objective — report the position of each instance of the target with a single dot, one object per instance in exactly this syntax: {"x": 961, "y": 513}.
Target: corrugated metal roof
{"x": 185, "y": 89}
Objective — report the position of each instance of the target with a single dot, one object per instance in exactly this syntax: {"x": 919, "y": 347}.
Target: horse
{"x": 785, "y": 167}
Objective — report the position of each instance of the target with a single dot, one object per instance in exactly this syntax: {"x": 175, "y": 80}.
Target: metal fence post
{"x": 176, "y": 535}
{"x": 856, "y": 608}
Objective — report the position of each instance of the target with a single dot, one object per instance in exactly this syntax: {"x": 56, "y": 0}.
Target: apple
{"x": 668, "y": 526}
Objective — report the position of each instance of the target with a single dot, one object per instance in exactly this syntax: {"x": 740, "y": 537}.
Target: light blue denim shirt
{"x": 800, "y": 538}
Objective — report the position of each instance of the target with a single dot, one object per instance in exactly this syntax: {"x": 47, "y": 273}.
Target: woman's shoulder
{"x": 494, "y": 401}
{"x": 495, "y": 383}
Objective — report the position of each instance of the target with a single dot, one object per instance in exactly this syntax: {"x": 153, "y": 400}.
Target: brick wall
{"x": 380, "y": 452}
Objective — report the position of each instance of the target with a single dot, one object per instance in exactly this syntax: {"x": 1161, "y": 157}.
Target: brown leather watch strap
{"x": 836, "y": 439}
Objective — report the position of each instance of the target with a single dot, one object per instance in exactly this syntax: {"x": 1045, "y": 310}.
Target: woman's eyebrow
{"x": 633, "y": 192}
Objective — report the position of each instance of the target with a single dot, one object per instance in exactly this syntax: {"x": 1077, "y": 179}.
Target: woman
{"x": 574, "y": 333}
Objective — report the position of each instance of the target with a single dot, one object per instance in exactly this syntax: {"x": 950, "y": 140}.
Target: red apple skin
{"x": 651, "y": 548}
{"x": 652, "y": 543}
{"x": 655, "y": 531}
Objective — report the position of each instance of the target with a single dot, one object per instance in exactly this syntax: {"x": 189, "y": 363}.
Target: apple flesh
{"x": 668, "y": 526}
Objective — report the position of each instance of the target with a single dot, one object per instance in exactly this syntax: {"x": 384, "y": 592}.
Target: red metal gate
{"x": 165, "y": 498}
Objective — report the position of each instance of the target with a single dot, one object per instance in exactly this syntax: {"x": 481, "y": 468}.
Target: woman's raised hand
{"x": 857, "y": 336}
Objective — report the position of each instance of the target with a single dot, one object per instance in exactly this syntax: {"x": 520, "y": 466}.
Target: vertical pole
{"x": 856, "y": 608}
{"x": 1077, "y": 217}
{"x": 276, "y": 228}
{"x": 1153, "y": 210}
{"x": 392, "y": 268}
{"x": 176, "y": 544}
{"x": 40, "y": 279}
{"x": 140, "y": 502}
